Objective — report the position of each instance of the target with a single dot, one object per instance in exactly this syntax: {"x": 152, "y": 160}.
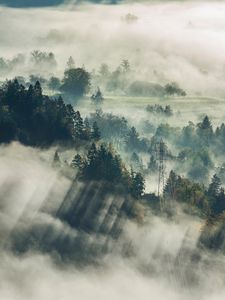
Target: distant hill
{"x": 30, "y": 3}
{"x": 40, "y": 3}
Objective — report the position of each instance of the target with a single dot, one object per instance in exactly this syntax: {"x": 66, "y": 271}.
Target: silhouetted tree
{"x": 173, "y": 89}
{"x": 125, "y": 65}
{"x": 97, "y": 97}
{"x": 77, "y": 162}
{"x": 54, "y": 83}
{"x": 104, "y": 70}
{"x": 214, "y": 187}
{"x": 95, "y": 132}
{"x": 70, "y": 63}
{"x": 76, "y": 82}
{"x": 138, "y": 185}
{"x": 56, "y": 160}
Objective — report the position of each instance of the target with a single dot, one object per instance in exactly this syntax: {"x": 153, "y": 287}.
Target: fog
{"x": 171, "y": 41}
{"x": 156, "y": 257}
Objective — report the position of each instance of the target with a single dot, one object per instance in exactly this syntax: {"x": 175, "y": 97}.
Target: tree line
{"x": 32, "y": 118}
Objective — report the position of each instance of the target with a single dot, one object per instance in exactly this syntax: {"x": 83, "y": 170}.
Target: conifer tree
{"x": 56, "y": 160}
{"x": 95, "y": 132}
{"x": 77, "y": 162}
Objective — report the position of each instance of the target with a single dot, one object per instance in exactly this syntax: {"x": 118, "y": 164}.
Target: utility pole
{"x": 160, "y": 156}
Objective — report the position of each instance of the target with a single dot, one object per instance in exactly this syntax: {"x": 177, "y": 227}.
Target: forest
{"x": 112, "y": 146}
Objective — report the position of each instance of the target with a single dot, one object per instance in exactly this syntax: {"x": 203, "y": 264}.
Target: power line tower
{"x": 160, "y": 156}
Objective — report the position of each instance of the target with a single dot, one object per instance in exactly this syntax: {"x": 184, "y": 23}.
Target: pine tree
{"x": 38, "y": 89}
{"x": 171, "y": 186}
{"x": 92, "y": 153}
{"x": 56, "y": 160}
{"x": 95, "y": 132}
{"x": 70, "y": 63}
{"x": 77, "y": 162}
{"x": 78, "y": 124}
{"x": 132, "y": 139}
{"x": 214, "y": 187}
{"x": 87, "y": 129}
{"x": 205, "y": 130}
{"x": 138, "y": 185}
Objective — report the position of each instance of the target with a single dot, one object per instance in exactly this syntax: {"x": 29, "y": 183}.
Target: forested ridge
{"x": 34, "y": 119}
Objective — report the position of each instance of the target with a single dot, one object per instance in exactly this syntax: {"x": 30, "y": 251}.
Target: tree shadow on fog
{"x": 85, "y": 227}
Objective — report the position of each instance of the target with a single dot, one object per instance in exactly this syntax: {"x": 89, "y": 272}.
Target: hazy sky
{"x": 170, "y": 41}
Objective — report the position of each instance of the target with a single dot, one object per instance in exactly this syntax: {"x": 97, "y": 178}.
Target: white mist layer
{"x": 156, "y": 270}
{"x": 183, "y": 42}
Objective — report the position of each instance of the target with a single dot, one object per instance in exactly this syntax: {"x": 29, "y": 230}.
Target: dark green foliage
{"x": 30, "y": 117}
{"x": 210, "y": 202}
{"x": 167, "y": 132}
{"x": 199, "y": 164}
{"x": 77, "y": 162}
{"x": 54, "y": 83}
{"x": 113, "y": 128}
{"x": 172, "y": 89}
{"x": 218, "y": 203}
{"x": 103, "y": 164}
{"x": 87, "y": 129}
{"x": 95, "y": 133}
{"x": 160, "y": 110}
{"x": 159, "y": 147}
{"x": 214, "y": 187}
{"x": 76, "y": 82}
{"x": 134, "y": 142}
{"x": 183, "y": 190}
{"x": 205, "y": 131}
{"x": 188, "y": 135}
{"x": 137, "y": 185}
{"x": 79, "y": 124}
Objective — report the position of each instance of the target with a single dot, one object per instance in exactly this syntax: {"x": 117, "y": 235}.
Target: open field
{"x": 185, "y": 108}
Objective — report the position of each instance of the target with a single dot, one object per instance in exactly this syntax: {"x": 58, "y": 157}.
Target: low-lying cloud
{"x": 158, "y": 258}
{"x": 173, "y": 41}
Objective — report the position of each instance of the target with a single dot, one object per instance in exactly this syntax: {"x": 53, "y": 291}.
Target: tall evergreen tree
{"x": 214, "y": 187}
{"x": 138, "y": 185}
{"x": 56, "y": 160}
{"x": 96, "y": 135}
{"x": 77, "y": 162}
{"x": 79, "y": 124}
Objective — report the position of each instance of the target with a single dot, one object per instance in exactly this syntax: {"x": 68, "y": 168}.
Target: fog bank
{"x": 160, "y": 258}
{"x": 173, "y": 41}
